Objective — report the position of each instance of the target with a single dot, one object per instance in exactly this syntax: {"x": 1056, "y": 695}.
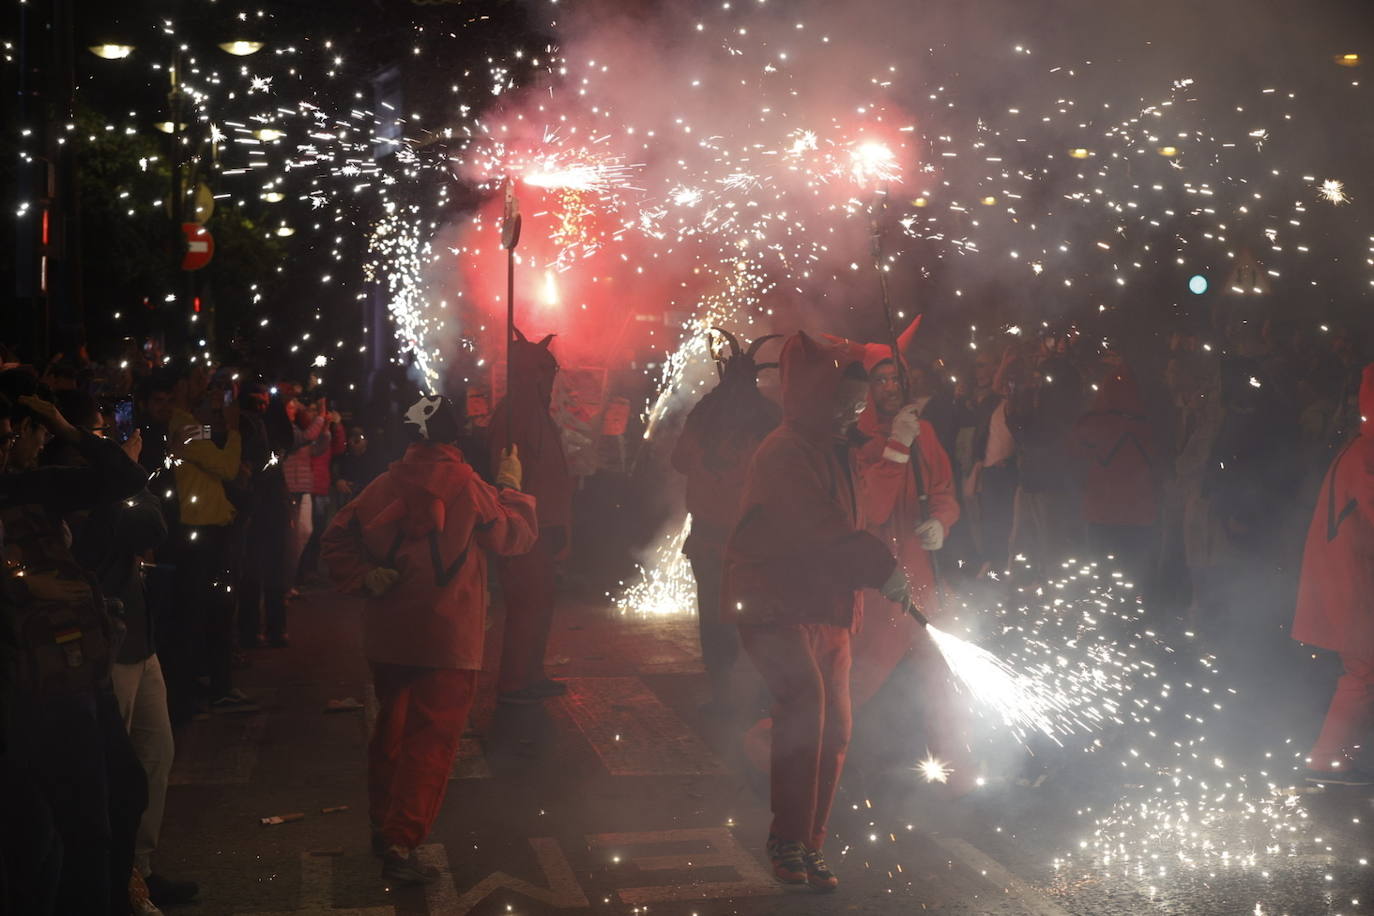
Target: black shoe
{"x": 279, "y": 642}
{"x": 406, "y": 869}
{"x": 1346, "y": 776}
{"x": 535, "y": 693}
{"x": 166, "y": 892}
{"x": 235, "y": 701}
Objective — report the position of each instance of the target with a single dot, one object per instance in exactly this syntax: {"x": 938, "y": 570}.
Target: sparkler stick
{"x": 510, "y": 237}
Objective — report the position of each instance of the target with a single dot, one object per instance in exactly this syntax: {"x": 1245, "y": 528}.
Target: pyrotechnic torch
{"x": 510, "y": 237}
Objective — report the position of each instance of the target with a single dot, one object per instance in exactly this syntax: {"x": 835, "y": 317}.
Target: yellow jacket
{"x": 201, "y": 474}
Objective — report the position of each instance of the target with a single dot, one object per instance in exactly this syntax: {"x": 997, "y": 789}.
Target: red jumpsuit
{"x": 794, "y": 567}
{"x": 527, "y": 581}
{"x": 1336, "y": 592}
{"x": 893, "y": 509}
{"x": 433, "y": 519}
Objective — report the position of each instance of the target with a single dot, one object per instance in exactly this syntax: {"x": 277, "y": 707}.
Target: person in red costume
{"x": 528, "y": 587}
{"x": 1120, "y": 483}
{"x": 415, "y": 544}
{"x": 912, "y": 516}
{"x": 1336, "y": 603}
{"x": 717, "y": 442}
{"x": 794, "y": 568}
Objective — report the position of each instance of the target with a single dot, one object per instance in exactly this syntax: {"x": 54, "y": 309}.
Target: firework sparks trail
{"x": 667, "y": 588}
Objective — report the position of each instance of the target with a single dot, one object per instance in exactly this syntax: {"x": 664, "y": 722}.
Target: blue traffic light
{"x": 1197, "y": 284}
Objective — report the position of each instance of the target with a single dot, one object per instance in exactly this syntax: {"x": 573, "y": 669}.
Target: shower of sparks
{"x": 933, "y": 770}
{"x": 1333, "y": 191}
{"x": 667, "y": 587}
{"x": 1023, "y": 701}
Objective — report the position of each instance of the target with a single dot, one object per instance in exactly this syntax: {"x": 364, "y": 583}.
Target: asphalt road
{"x": 623, "y": 798}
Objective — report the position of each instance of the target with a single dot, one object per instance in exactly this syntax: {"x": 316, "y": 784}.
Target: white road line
{"x": 633, "y": 733}
{"x": 973, "y": 858}
{"x": 722, "y": 851}
{"x": 562, "y": 892}
{"x": 317, "y": 893}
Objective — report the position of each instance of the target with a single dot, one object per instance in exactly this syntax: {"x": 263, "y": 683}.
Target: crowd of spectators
{"x": 157, "y": 523}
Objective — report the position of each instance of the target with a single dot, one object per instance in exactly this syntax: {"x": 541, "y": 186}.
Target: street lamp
{"x": 241, "y": 47}
{"x": 111, "y": 51}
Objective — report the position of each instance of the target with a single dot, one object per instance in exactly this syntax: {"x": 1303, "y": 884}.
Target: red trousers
{"x": 1350, "y": 718}
{"x": 420, "y": 717}
{"x": 806, "y": 668}
{"x": 527, "y": 586}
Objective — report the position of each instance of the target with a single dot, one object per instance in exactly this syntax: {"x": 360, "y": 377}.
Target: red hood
{"x": 1117, "y": 392}
{"x": 428, "y": 476}
{"x": 811, "y": 373}
{"x": 876, "y": 353}
{"x": 1367, "y": 400}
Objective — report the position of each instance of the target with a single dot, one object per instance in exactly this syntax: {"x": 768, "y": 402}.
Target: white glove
{"x": 906, "y": 426}
{"x": 896, "y": 588}
{"x": 931, "y": 533}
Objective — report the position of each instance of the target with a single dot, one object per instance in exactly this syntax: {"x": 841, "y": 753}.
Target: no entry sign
{"x": 200, "y": 246}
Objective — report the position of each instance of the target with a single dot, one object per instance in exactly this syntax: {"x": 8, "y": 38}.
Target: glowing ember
{"x": 1333, "y": 191}
{"x": 933, "y": 770}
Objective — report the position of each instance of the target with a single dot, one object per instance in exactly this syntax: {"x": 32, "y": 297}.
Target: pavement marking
{"x": 633, "y": 733}
{"x": 971, "y": 857}
{"x": 724, "y": 851}
{"x": 471, "y": 759}
{"x": 219, "y": 751}
{"x": 563, "y": 891}
{"x": 316, "y": 896}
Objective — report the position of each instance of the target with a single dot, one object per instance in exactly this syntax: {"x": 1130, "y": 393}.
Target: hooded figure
{"x": 414, "y": 543}
{"x": 794, "y": 567}
{"x": 912, "y": 517}
{"x": 1336, "y": 602}
{"x": 717, "y": 442}
{"x": 1120, "y": 486}
{"x": 522, "y": 420}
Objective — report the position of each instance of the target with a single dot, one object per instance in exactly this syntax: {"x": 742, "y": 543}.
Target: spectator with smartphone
{"x": 206, "y": 443}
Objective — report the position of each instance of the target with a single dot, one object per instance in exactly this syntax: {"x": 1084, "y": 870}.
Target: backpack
{"x": 66, "y": 639}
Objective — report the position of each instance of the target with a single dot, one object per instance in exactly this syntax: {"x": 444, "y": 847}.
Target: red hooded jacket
{"x": 1115, "y": 438}
{"x": 1336, "y": 592}
{"x": 891, "y": 504}
{"x": 432, "y": 518}
{"x": 799, "y": 553}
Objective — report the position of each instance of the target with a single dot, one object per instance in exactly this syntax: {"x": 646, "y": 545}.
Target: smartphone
{"x": 123, "y": 419}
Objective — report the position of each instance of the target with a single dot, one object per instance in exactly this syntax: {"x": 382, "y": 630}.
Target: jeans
{"x": 142, "y": 697}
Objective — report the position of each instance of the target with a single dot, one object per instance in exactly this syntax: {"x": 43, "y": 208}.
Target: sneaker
{"x": 235, "y": 701}
{"x": 818, "y": 874}
{"x": 535, "y": 693}
{"x": 166, "y": 892}
{"x": 400, "y": 866}
{"x": 788, "y": 860}
{"x": 1346, "y": 776}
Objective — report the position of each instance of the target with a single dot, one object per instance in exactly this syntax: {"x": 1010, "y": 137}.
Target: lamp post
{"x": 182, "y": 165}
